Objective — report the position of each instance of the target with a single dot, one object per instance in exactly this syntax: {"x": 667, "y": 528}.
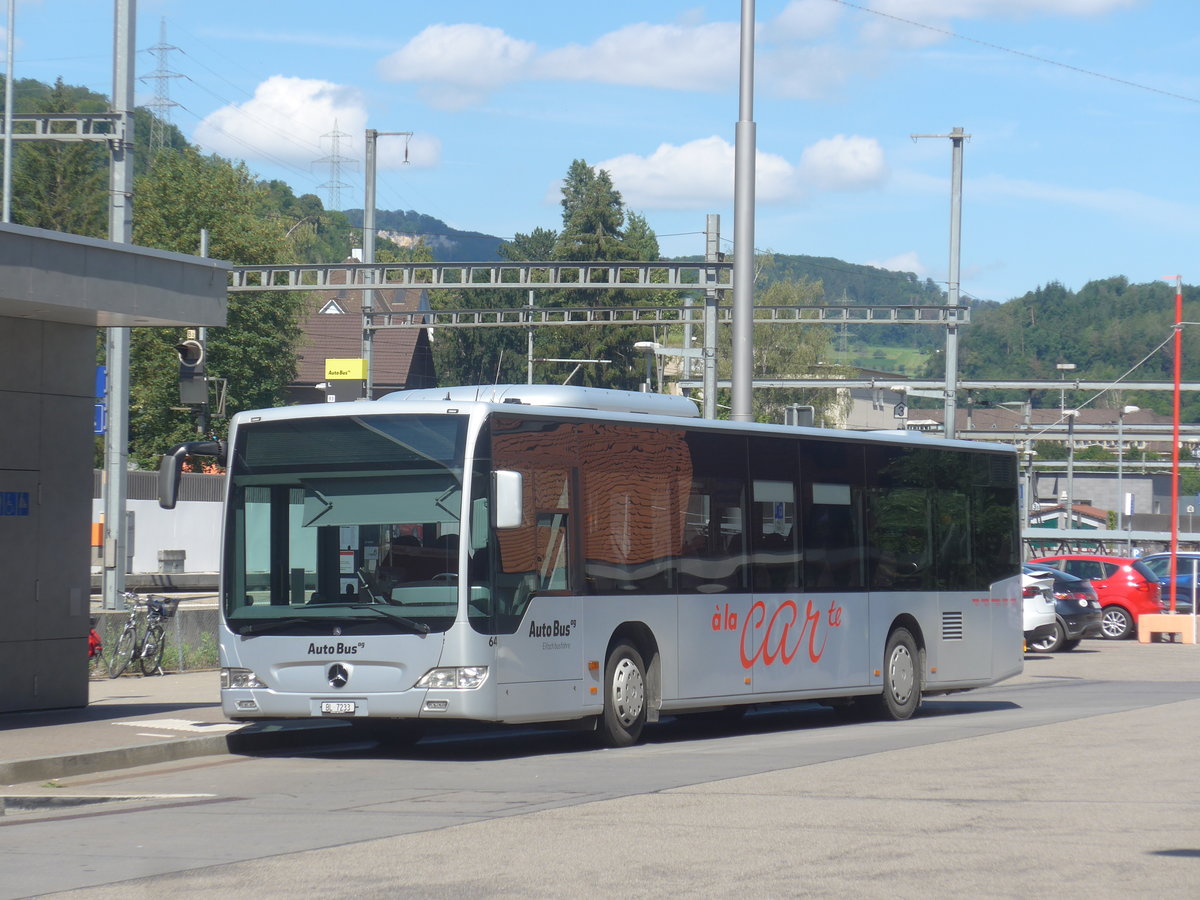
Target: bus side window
{"x": 774, "y": 527}
{"x": 713, "y": 558}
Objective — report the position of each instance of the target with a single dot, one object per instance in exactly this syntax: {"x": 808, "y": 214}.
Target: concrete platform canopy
{"x": 55, "y": 290}
{"x": 50, "y": 276}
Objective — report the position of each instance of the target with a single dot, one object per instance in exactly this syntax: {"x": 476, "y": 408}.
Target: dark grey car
{"x": 1076, "y": 610}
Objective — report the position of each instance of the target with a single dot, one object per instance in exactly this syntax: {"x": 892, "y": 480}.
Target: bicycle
{"x": 144, "y": 647}
{"x": 97, "y": 662}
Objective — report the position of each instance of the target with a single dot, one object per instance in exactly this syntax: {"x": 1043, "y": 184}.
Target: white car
{"x": 1039, "y": 620}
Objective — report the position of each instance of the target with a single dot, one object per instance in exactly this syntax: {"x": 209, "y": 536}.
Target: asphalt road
{"x": 1073, "y": 779}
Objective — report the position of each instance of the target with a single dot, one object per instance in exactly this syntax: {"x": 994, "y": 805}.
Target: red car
{"x": 1127, "y": 588}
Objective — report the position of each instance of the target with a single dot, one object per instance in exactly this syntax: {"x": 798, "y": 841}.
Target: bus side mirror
{"x": 509, "y": 508}
{"x": 170, "y": 468}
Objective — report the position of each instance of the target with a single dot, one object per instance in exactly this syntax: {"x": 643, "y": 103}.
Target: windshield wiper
{"x": 323, "y": 499}
{"x": 269, "y": 625}
{"x": 272, "y": 625}
{"x": 419, "y": 627}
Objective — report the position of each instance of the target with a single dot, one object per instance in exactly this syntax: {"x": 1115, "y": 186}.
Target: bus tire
{"x": 624, "y": 697}
{"x": 901, "y": 676}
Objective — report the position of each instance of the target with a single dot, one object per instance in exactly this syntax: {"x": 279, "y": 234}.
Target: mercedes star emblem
{"x": 338, "y": 676}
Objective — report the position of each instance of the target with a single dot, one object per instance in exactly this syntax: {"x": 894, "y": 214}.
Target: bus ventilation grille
{"x": 952, "y": 626}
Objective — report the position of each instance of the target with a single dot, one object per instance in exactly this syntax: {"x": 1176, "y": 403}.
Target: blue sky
{"x": 1084, "y": 116}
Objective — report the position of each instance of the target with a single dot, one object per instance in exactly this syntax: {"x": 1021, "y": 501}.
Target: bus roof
{"x": 560, "y": 396}
{"x": 585, "y": 402}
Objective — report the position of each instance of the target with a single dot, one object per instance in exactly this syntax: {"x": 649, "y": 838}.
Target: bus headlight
{"x": 240, "y": 678}
{"x": 462, "y": 678}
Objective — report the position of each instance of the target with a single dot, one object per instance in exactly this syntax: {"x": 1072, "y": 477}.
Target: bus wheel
{"x": 901, "y": 676}
{"x": 624, "y": 697}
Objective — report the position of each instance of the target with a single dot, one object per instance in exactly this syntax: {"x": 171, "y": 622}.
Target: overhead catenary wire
{"x": 1115, "y": 384}
{"x": 1033, "y": 56}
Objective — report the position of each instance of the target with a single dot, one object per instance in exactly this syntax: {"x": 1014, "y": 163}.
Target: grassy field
{"x": 899, "y": 360}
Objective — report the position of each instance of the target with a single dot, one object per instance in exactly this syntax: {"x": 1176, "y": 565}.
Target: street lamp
{"x": 1121, "y": 413}
{"x": 649, "y": 348}
{"x": 1030, "y": 485}
{"x": 1063, "y": 368}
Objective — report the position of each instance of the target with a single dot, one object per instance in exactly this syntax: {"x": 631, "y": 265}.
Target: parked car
{"x": 1186, "y": 564}
{"x": 1127, "y": 588}
{"x": 1076, "y": 609}
{"x": 1038, "y": 607}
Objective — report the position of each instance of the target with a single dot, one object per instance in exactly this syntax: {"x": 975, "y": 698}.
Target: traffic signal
{"x": 193, "y": 383}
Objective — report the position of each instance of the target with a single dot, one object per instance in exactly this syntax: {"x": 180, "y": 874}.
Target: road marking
{"x": 181, "y": 725}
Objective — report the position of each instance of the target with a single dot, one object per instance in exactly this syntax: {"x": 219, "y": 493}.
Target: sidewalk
{"x": 134, "y": 721}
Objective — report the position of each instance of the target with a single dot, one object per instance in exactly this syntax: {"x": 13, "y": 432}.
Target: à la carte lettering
{"x": 780, "y": 635}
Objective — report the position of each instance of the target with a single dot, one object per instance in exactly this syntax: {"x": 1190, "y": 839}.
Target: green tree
{"x": 489, "y": 355}
{"x": 593, "y": 216}
{"x": 788, "y": 351}
{"x": 61, "y": 186}
{"x": 593, "y": 230}
{"x": 255, "y": 352}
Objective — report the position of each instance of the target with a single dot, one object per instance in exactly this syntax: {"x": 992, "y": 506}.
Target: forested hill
{"x": 1106, "y": 329}
{"x": 448, "y": 244}
{"x": 858, "y": 285}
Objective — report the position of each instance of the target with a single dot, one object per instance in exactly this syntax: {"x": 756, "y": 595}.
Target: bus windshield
{"x": 350, "y": 522}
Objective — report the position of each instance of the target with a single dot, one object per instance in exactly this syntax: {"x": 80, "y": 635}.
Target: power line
{"x": 334, "y": 160}
{"x": 1042, "y": 59}
{"x": 161, "y": 104}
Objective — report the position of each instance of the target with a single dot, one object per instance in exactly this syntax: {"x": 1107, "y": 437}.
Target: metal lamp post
{"x": 1063, "y": 369}
{"x": 1070, "y": 414}
{"x": 649, "y": 348}
{"x": 1121, "y": 463}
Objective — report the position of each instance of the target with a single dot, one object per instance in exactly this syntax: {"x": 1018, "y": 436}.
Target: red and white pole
{"x": 1175, "y": 438}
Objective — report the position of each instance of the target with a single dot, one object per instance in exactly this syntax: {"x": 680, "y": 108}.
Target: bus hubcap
{"x": 628, "y": 692}
{"x": 902, "y": 674}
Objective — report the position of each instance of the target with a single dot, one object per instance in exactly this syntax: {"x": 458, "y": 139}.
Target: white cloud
{"x": 809, "y": 73}
{"x": 924, "y": 10}
{"x": 902, "y": 262}
{"x": 940, "y": 13}
{"x": 674, "y": 57}
{"x": 700, "y": 173}
{"x": 459, "y": 64}
{"x": 287, "y": 120}
{"x": 843, "y": 163}
{"x": 284, "y": 119}
{"x": 802, "y": 20}
{"x": 1122, "y": 203}
{"x": 696, "y": 175}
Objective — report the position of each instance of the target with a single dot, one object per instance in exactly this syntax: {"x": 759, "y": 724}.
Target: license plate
{"x": 338, "y": 707}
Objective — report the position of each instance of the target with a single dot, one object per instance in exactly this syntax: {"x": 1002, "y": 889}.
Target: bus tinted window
{"x": 713, "y": 558}
{"x": 774, "y": 528}
{"x": 832, "y": 516}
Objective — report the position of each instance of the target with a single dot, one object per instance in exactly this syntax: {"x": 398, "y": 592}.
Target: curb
{"x": 47, "y": 768}
{"x": 249, "y": 740}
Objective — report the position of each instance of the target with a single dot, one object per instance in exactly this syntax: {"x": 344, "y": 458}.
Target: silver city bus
{"x": 530, "y": 553}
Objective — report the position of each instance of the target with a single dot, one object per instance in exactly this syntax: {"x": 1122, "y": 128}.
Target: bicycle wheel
{"x": 152, "y": 650}
{"x": 123, "y": 655}
{"x": 98, "y": 666}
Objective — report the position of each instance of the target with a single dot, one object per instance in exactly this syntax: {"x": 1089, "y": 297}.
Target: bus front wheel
{"x": 901, "y": 676}
{"x": 624, "y": 697}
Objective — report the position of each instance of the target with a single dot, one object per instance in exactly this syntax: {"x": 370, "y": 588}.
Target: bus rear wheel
{"x": 624, "y": 697}
{"x": 901, "y": 676}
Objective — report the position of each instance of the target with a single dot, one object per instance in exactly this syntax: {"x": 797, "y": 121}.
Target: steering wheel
{"x": 445, "y": 576}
